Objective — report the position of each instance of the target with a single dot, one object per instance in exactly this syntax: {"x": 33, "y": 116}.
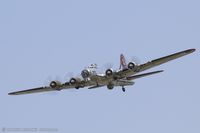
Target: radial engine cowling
{"x": 110, "y": 86}
{"x": 74, "y": 80}
{"x": 109, "y": 72}
{"x": 132, "y": 65}
{"x": 86, "y": 73}
{"x": 55, "y": 84}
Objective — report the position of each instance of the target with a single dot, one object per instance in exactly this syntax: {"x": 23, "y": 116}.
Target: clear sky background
{"x": 42, "y": 38}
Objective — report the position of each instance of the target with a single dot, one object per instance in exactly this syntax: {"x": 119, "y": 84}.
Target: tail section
{"x": 123, "y": 64}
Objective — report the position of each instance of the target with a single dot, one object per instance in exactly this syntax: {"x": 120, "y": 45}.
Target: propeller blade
{"x": 136, "y": 60}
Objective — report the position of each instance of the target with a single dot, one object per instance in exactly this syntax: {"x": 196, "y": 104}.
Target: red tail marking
{"x": 123, "y": 64}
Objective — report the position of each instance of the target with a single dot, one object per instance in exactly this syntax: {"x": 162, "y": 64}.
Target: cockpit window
{"x": 93, "y": 66}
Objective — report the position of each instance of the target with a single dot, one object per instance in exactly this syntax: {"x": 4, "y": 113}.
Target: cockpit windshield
{"x": 93, "y": 66}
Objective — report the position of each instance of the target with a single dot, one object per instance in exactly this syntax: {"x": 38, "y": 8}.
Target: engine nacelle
{"x": 86, "y": 73}
{"x": 132, "y": 65}
{"x": 74, "y": 81}
{"x": 109, "y": 72}
{"x": 110, "y": 86}
{"x": 55, "y": 84}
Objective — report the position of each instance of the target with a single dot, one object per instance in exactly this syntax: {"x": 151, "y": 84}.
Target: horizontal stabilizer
{"x": 143, "y": 75}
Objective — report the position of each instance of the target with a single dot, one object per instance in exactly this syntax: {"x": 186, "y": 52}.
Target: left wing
{"x": 165, "y": 59}
{"x": 153, "y": 63}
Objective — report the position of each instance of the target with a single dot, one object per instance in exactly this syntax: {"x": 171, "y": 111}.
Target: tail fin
{"x": 123, "y": 64}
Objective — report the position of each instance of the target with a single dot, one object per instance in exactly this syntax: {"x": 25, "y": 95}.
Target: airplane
{"x": 122, "y": 77}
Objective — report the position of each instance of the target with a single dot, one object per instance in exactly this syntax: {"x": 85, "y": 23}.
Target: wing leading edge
{"x": 29, "y": 91}
{"x": 42, "y": 89}
{"x": 165, "y": 59}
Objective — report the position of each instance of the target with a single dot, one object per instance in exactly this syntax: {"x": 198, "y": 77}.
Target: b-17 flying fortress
{"x": 122, "y": 77}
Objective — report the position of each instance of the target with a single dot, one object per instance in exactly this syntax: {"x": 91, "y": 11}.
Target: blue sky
{"x": 43, "y": 38}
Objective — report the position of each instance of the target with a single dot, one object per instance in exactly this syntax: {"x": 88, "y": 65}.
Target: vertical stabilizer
{"x": 123, "y": 64}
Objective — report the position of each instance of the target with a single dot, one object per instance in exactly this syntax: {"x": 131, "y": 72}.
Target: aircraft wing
{"x": 165, "y": 59}
{"x": 29, "y": 91}
{"x": 66, "y": 85}
{"x": 153, "y": 63}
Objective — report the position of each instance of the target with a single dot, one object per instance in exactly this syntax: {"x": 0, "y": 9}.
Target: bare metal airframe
{"x": 122, "y": 77}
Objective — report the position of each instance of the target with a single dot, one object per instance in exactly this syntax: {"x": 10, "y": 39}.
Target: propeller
{"x": 136, "y": 60}
{"x": 108, "y": 65}
{"x": 50, "y": 79}
{"x": 68, "y": 76}
{"x": 48, "y": 82}
{"x": 105, "y": 67}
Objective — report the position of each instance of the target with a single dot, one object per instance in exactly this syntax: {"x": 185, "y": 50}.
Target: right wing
{"x": 66, "y": 85}
{"x": 29, "y": 91}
